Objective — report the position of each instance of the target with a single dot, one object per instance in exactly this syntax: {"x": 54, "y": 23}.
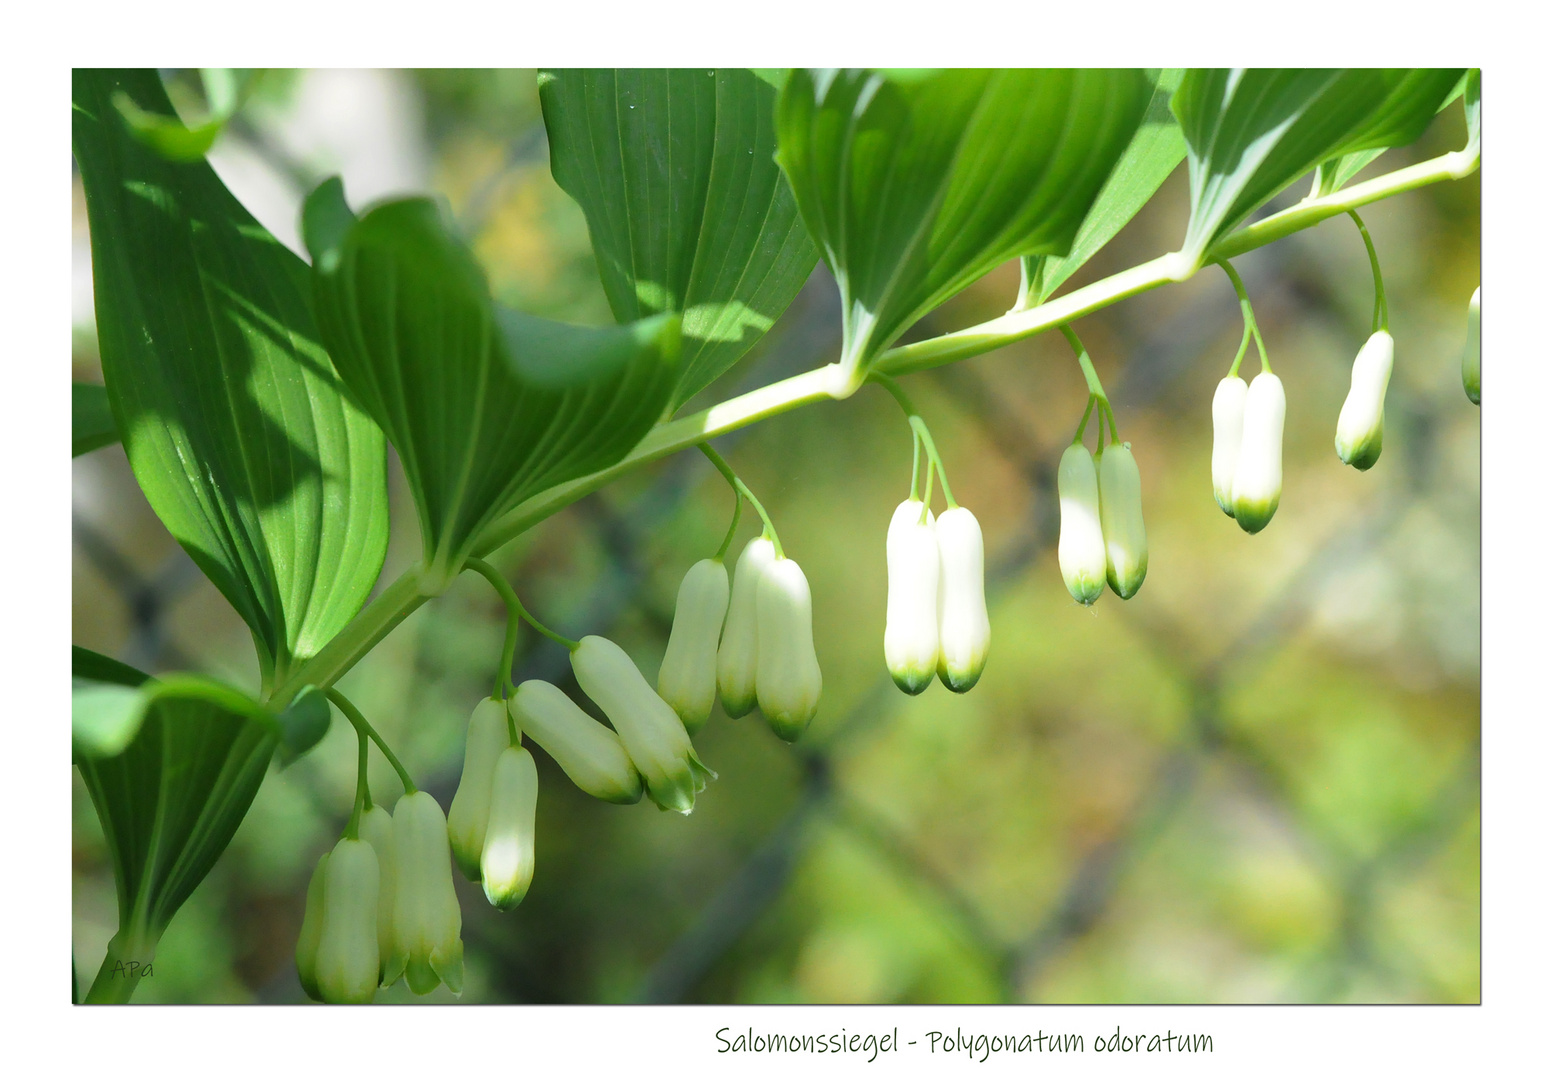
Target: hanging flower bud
{"x": 1471, "y": 351}
{"x": 736, "y": 664}
{"x": 311, "y": 931}
{"x": 651, "y": 732}
{"x": 427, "y": 923}
{"x": 961, "y": 614}
{"x": 789, "y": 681}
{"x": 1083, "y": 559}
{"x": 376, "y": 828}
{"x": 1124, "y": 526}
{"x": 911, "y": 643}
{"x": 1358, "y": 436}
{"x": 1226, "y": 411}
{"x": 487, "y": 737}
{"x": 347, "y": 959}
{"x": 507, "y": 862}
{"x": 589, "y": 753}
{"x": 1256, "y": 484}
{"x": 687, "y": 677}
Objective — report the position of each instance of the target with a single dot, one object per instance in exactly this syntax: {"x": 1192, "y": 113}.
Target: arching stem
{"x": 353, "y": 715}
{"x": 1380, "y": 304}
{"x": 1250, "y": 325}
{"x": 742, "y": 489}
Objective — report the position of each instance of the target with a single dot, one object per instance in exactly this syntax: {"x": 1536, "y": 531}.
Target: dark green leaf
{"x": 303, "y": 723}
{"x": 170, "y": 802}
{"x": 485, "y": 406}
{"x": 915, "y": 184}
{"x": 168, "y": 135}
{"x": 91, "y": 419}
{"x": 688, "y": 212}
{"x": 1253, "y": 131}
{"x": 106, "y": 705}
{"x": 231, "y": 412}
{"x": 1150, "y": 158}
{"x": 85, "y": 664}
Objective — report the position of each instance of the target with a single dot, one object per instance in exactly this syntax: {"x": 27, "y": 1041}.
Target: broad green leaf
{"x": 486, "y": 406}
{"x": 171, "y": 800}
{"x": 169, "y": 136}
{"x": 915, "y": 184}
{"x": 91, "y": 419}
{"x": 1253, "y": 131}
{"x": 231, "y": 412}
{"x": 1337, "y": 172}
{"x": 1150, "y": 158}
{"x": 687, "y": 210}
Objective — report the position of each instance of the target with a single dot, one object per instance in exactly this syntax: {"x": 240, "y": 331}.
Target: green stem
{"x": 1091, "y": 400}
{"x": 128, "y": 958}
{"x": 1249, "y": 323}
{"x": 512, "y": 599}
{"x": 404, "y": 595}
{"x": 914, "y": 466}
{"x": 513, "y": 621}
{"x": 352, "y": 830}
{"x": 1094, "y": 388}
{"x": 742, "y": 489}
{"x": 362, "y": 725}
{"x": 736, "y": 518}
{"x": 1380, "y": 304}
{"x": 917, "y": 422}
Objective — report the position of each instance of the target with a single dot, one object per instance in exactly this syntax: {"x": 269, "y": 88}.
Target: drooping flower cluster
{"x": 1245, "y": 460}
{"x": 937, "y": 622}
{"x": 1102, "y": 527}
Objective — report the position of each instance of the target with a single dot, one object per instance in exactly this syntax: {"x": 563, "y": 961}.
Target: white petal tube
{"x": 736, "y": 664}
{"x": 789, "y": 680}
{"x": 347, "y": 961}
{"x": 427, "y": 922}
{"x": 963, "y": 619}
{"x": 911, "y": 644}
{"x": 1471, "y": 369}
{"x": 487, "y": 737}
{"x": 1124, "y": 525}
{"x": 509, "y": 843}
{"x": 1358, "y": 435}
{"x": 312, "y": 931}
{"x": 1226, "y": 412}
{"x": 1083, "y": 559}
{"x": 651, "y": 732}
{"x": 1256, "y": 486}
{"x": 376, "y": 828}
{"x": 686, "y": 680}
{"x": 590, "y": 753}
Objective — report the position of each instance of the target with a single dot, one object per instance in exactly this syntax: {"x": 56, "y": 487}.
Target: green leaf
{"x": 1253, "y": 131}
{"x": 303, "y": 723}
{"x": 91, "y": 419}
{"x": 916, "y": 184}
{"x": 167, "y": 135}
{"x": 1150, "y": 158}
{"x": 687, "y": 210}
{"x": 486, "y": 406}
{"x": 231, "y": 412}
{"x": 172, "y": 798}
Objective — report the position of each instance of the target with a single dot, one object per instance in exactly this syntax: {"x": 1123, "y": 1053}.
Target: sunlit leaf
{"x": 688, "y": 212}
{"x": 915, "y": 184}
{"x": 230, "y": 410}
{"x": 1253, "y": 131}
{"x": 169, "y": 136}
{"x": 91, "y": 419}
{"x": 486, "y": 406}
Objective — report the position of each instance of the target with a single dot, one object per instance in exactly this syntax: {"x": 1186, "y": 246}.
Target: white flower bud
{"x": 347, "y": 960}
{"x": 1083, "y": 558}
{"x": 312, "y": 931}
{"x": 961, "y": 614}
{"x": 427, "y": 923}
{"x": 911, "y": 643}
{"x": 590, "y": 753}
{"x": 1358, "y": 436}
{"x": 1226, "y": 411}
{"x": 789, "y": 681}
{"x": 487, "y": 737}
{"x": 1256, "y": 485}
{"x": 1124, "y": 526}
{"x": 1471, "y": 368}
{"x": 509, "y": 842}
{"x": 736, "y": 664}
{"x": 651, "y": 732}
{"x": 686, "y": 680}
{"x": 376, "y": 828}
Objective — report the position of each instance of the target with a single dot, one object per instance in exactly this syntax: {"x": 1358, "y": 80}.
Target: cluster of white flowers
{"x": 381, "y": 907}
{"x": 937, "y": 621}
{"x": 1102, "y": 528}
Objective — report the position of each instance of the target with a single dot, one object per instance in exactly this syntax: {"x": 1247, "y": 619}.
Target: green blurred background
{"x": 1258, "y": 781}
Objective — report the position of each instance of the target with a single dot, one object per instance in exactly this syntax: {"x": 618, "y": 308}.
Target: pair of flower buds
{"x": 937, "y": 622}
{"x": 750, "y": 637}
{"x": 381, "y": 907}
{"x": 1102, "y": 529}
